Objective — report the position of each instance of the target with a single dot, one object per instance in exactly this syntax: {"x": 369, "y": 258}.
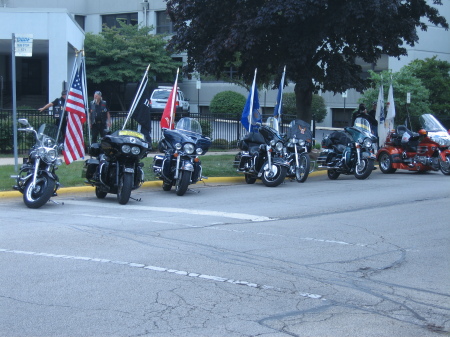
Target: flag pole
{"x": 173, "y": 98}
{"x": 63, "y": 112}
{"x": 138, "y": 95}
{"x": 251, "y": 102}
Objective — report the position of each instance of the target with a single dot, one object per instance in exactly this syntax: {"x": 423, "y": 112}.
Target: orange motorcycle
{"x": 425, "y": 150}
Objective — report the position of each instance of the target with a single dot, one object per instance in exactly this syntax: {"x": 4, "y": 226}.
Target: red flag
{"x": 75, "y": 108}
{"x": 168, "y": 116}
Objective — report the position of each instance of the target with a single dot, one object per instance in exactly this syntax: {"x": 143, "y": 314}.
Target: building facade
{"x": 58, "y": 28}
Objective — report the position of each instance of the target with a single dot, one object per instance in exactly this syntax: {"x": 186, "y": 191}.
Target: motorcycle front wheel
{"x": 445, "y": 165}
{"x": 275, "y": 176}
{"x": 364, "y": 169}
{"x": 182, "y": 183}
{"x": 124, "y": 188}
{"x": 302, "y": 171}
{"x": 36, "y": 196}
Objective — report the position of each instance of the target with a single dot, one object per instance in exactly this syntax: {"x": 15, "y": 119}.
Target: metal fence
{"x": 224, "y": 130}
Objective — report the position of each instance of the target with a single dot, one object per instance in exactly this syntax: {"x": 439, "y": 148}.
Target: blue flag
{"x": 252, "y": 104}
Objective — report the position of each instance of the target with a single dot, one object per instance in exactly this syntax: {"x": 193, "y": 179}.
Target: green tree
{"x": 403, "y": 82}
{"x": 318, "y": 41}
{"x": 227, "y": 103}
{"x": 118, "y": 56}
{"x": 318, "y": 107}
{"x": 435, "y": 76}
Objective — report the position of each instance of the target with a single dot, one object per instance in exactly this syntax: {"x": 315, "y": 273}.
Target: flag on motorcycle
{"x": 250, "y": 120}
{"x": 380, "y": 116}
{"x": 389, "y": 122}
{"x": 277, "y": 111}
{"x": 168, "y": 116}
{"x": 75, "y": 108}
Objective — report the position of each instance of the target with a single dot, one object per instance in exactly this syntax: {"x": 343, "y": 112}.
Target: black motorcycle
{"x": 298, "y": 143}
{"x": 349, "y": 152}
{"x": 37, "y": 180}
{"x": 180, "y": 165}
{"x": 116, "y": 165}
{"x": 261, "y": 156}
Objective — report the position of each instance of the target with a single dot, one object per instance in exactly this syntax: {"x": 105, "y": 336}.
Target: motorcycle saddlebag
{"x": 89, "y": 168}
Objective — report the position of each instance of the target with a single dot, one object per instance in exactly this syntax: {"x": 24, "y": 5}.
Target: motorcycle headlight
{"x": 279, "y": 146}
{"x": 178, "y": 146}
{"x": 367, "y": 142}
{"x": 126, "y": 148}
{"x": 135, "y": 150}
{"x": 189, "y": 148}
{"x": 199, "y": 150}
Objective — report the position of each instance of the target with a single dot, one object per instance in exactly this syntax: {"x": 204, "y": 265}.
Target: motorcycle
{"x": 298, "y": 143}
{"x": 349, "y": 152}
{"x": 37, "y": 180}
{"x": 261, "y": 156}
{"x": 115, "y": 165}
{"x": 421, "y": 151}
{"x": 180, "y": 165}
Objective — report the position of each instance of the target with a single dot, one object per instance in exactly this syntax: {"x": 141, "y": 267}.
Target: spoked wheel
{"x": 36, "y": 196}
{"x": 302, "y": 171}
{"x": 364, "y": 169}
{"x": 250, "y": 179}
{"x": 445, "y": 165}
{"x": 333, "y": 174}
{"x": 385, "y": 161}
{"x": 99, "y": 193}
{"x": 275, "y": 176}
{"x": 182, "y": 182}
{"x": 124, "y": 188}
{"x": 167, "y": 185}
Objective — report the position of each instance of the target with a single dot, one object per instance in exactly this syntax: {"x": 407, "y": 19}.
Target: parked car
{"x": 158, "y": 101}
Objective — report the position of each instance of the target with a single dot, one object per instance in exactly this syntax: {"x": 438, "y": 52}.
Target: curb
{"x": 147, "y": 184}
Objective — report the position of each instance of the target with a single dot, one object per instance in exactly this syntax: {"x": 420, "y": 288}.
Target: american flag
{"x": 75, "y": 108}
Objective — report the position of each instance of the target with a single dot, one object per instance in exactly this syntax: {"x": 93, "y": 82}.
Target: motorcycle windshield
{"x": 48, "y": 131}
{"x": 362, "y": 124}
{"x": 190, "y": 125}
{"x": 272, "y": 122}
{"x": 300, "y": 129}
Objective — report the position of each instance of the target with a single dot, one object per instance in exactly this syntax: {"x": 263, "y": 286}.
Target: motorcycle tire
{"x": 277, "y": 178}
{"x": 36, "y": 197}
{"x": 364, "y": 169}
{"x": 445, "y": 166}
{"x": 385, "y": 160}
{"x": 167, "y": 185}
{"x": 182, "y": 183}
{"x": 124, "y": 188}
{"x": 333, "y": 174}
{"x": 302, "y": 171}
{"x": 99, "y": 193}
{"x": 249, "y": 179}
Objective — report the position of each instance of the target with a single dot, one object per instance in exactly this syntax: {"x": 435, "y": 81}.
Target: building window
{"x": 163, "y": 23}
{"x": 112, "y": 20}
{"x": 80, "y": 19}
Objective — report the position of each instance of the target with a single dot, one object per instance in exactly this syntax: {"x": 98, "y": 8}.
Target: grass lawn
{"x": 70, "y": 175}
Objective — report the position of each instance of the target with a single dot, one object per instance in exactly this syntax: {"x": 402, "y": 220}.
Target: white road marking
{"x": 161, "y": 269}
{"x": 239, "y": 216}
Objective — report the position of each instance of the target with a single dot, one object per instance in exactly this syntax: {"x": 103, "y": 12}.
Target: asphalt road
{"x": 322, "y": 258}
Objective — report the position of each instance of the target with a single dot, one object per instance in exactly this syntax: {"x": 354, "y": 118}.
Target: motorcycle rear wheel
{"x": 302, "y": 171}
{"x": 386, "y": 163}
{"x": 277, "y": 177}
{"x": 445, "y": 166}
{"x": 36, "y": 197}
{"x": 364, "y": 169}
{"x": 99, "y": 193}
{"x": 333, "y": 174}
{"x": 182, "y": 183}
{"x": 124, "y": 188}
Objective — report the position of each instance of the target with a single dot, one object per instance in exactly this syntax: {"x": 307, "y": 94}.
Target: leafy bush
{"x": 227, "y": 103}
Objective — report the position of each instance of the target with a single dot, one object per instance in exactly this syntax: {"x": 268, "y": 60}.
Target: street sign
{"x": 23, "y": 45}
